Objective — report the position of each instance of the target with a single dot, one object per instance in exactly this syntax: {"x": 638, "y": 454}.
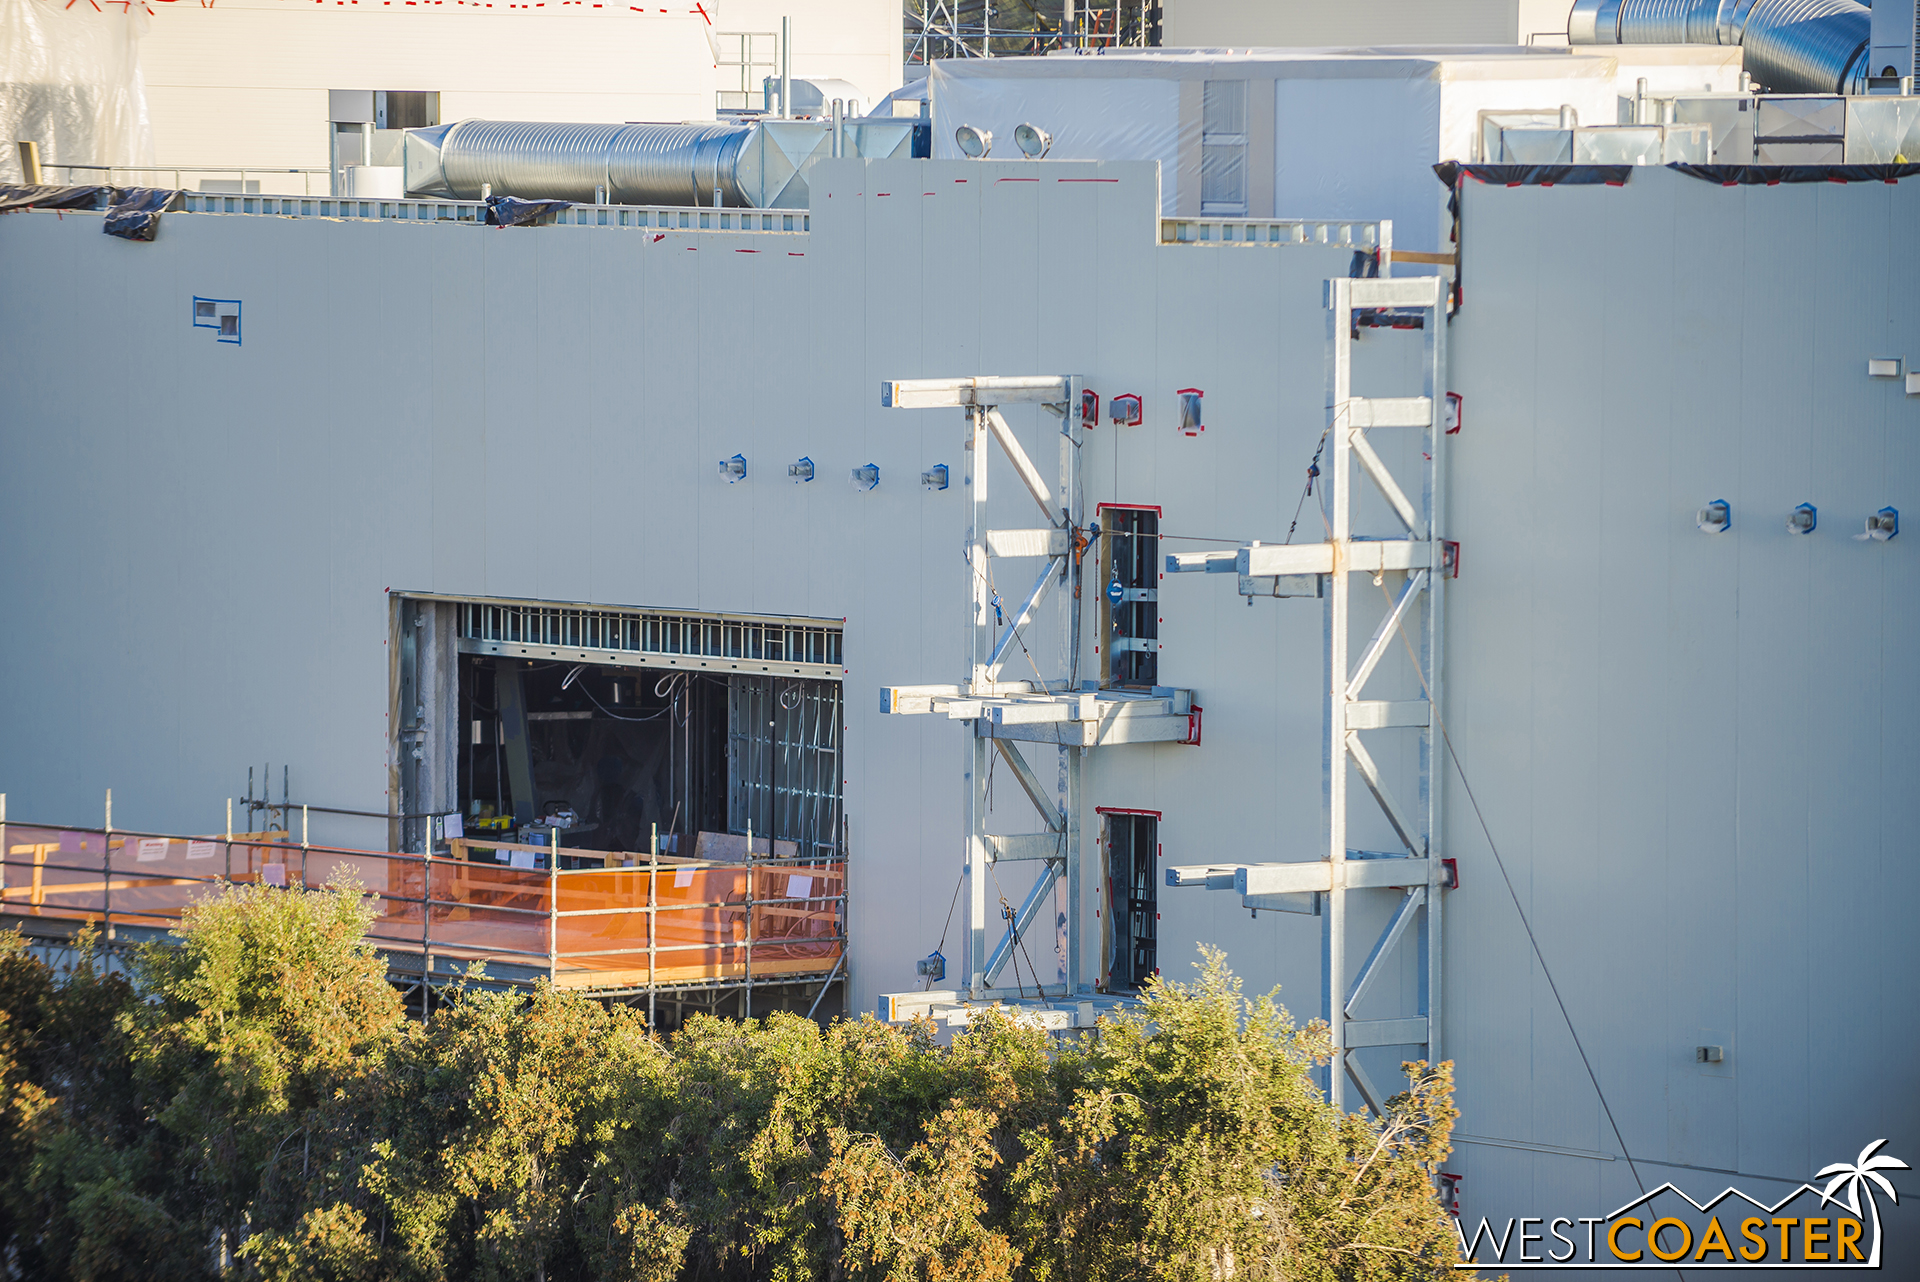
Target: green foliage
{"x": 255, "y": 1106}
{"x": 270, "y": 1004}
{"x": 82, "y": 1189}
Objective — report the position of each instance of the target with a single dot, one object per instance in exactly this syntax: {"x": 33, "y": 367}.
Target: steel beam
{"x": 1220, "y": 562}
{"x": 1051, "y": 542}
{"x": 937, "y": 393}
{"x": 1009, "y": 848}
{"x": 1022, "y": 465}
{"x": 1030, "y": 784}
{"x": 1375, "y": 469}
{"x": 512, "y": 699}
{"x": 1364, "y": 412}
{"x": 1370, "y": 772}
{"x": 1019, "y": 621}
{"x": 1402, "y": 915}
{"x": 1382, "y": 635}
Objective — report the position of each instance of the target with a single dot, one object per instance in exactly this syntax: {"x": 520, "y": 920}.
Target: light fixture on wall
{"x": 1881, "y": 526}
{"x": 976, "y": 143}
{"x": 935, "y": 477}
{"x": 1803, "y": 519}
{"x": 1033, "y": 141}
{"x": 734, "y": 469}
{"x": 801, "y": 470}
{"x": 866, "y": 476}
{"x": 1191, "y": 421}
{"x": 1716, "y": 517}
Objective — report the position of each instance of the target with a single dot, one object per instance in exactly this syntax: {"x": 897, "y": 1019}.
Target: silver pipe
{"x": 634, "y": 164}
{"x": 1787, "y": 46}
{"x": 786, "y": 68}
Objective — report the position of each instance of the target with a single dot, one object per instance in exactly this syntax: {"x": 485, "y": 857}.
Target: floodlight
{"x": 975, "y": 142}
{"x": 1032, "y": 140}
{"x": 1882, "y": 525}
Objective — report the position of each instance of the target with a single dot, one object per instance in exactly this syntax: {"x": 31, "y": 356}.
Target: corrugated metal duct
{"x": 757, "y": 166}
{"x": 1788, "y": 46}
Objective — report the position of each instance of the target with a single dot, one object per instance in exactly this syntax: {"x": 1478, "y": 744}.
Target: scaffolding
{"x": 1071, "y": 715}
{"x": 615, "y": 925}
{"x": 1422, "y": 561}
{"x": 984, "y": 29}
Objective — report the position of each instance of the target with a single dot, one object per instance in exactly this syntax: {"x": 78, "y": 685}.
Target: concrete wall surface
{"x": 1688, "y": 749}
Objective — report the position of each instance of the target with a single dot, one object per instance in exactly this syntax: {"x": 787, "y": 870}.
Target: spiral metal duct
{"x": 1788, "y": 46}
{"x": 637, "y": 164}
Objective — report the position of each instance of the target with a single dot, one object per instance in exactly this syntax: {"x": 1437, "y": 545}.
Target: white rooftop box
{"x": 1285, "y": 133}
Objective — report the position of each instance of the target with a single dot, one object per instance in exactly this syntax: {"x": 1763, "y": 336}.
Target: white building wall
{"x": 1236, "y": 24}
{"x": 1690, "y": 750}
{"x": 858, "y": 41}
{"x": 1332, "y": 134}
{"x": 245, "y": 82}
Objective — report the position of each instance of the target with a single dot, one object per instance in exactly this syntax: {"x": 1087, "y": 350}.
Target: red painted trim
{"x": 1130, "y": 507}
{"x": 1125, "y": 810}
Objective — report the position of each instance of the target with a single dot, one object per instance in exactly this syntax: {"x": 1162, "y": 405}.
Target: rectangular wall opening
{"x": 611, "y": 754}
{"x": 1133, "y": 851}
{"x": 610, "y": 724}
{"x": 1130, "y": 596}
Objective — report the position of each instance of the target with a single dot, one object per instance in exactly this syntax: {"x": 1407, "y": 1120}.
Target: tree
{"x": 269, "y": 1005}
{"x": 1194, "y": 1145}
{"x": 81, "y": 1190}
{"x": 257, "y": 1107}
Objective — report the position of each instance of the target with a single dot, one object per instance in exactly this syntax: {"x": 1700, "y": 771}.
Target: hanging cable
{"x": 651, "y": 716}
{"x": 1533, "y": 940}
{"x": 951, "y": 905}
{"x": 1313, "y": 472}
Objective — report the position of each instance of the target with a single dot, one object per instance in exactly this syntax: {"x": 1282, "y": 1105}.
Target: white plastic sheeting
{"x": 70, "y": 81}
{"x": 1347, "y": 134}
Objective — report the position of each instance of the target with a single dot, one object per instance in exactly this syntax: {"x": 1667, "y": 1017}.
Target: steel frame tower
{"x": 1060, "y": 710}
{"x": 1326, "y": 569}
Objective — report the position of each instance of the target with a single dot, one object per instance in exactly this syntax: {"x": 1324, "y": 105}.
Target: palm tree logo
{"x": 1862, "y": 1174}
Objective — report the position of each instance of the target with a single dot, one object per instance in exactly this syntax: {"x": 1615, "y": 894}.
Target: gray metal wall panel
{"x": 1705, "y": 740}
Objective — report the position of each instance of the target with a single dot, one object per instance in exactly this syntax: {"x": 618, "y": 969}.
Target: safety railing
{"x": 612, "y": 922}
{"x": 145, "y": 174}
{"x": 1276, "y": 231}
{"x": 657, "y": 217}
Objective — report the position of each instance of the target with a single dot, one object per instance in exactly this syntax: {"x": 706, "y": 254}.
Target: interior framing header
{"x": 775, "y": 645}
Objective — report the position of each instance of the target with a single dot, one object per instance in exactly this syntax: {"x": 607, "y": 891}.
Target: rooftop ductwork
{"x": 757, "y": 166}
{"x": 1787, "y": 46}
